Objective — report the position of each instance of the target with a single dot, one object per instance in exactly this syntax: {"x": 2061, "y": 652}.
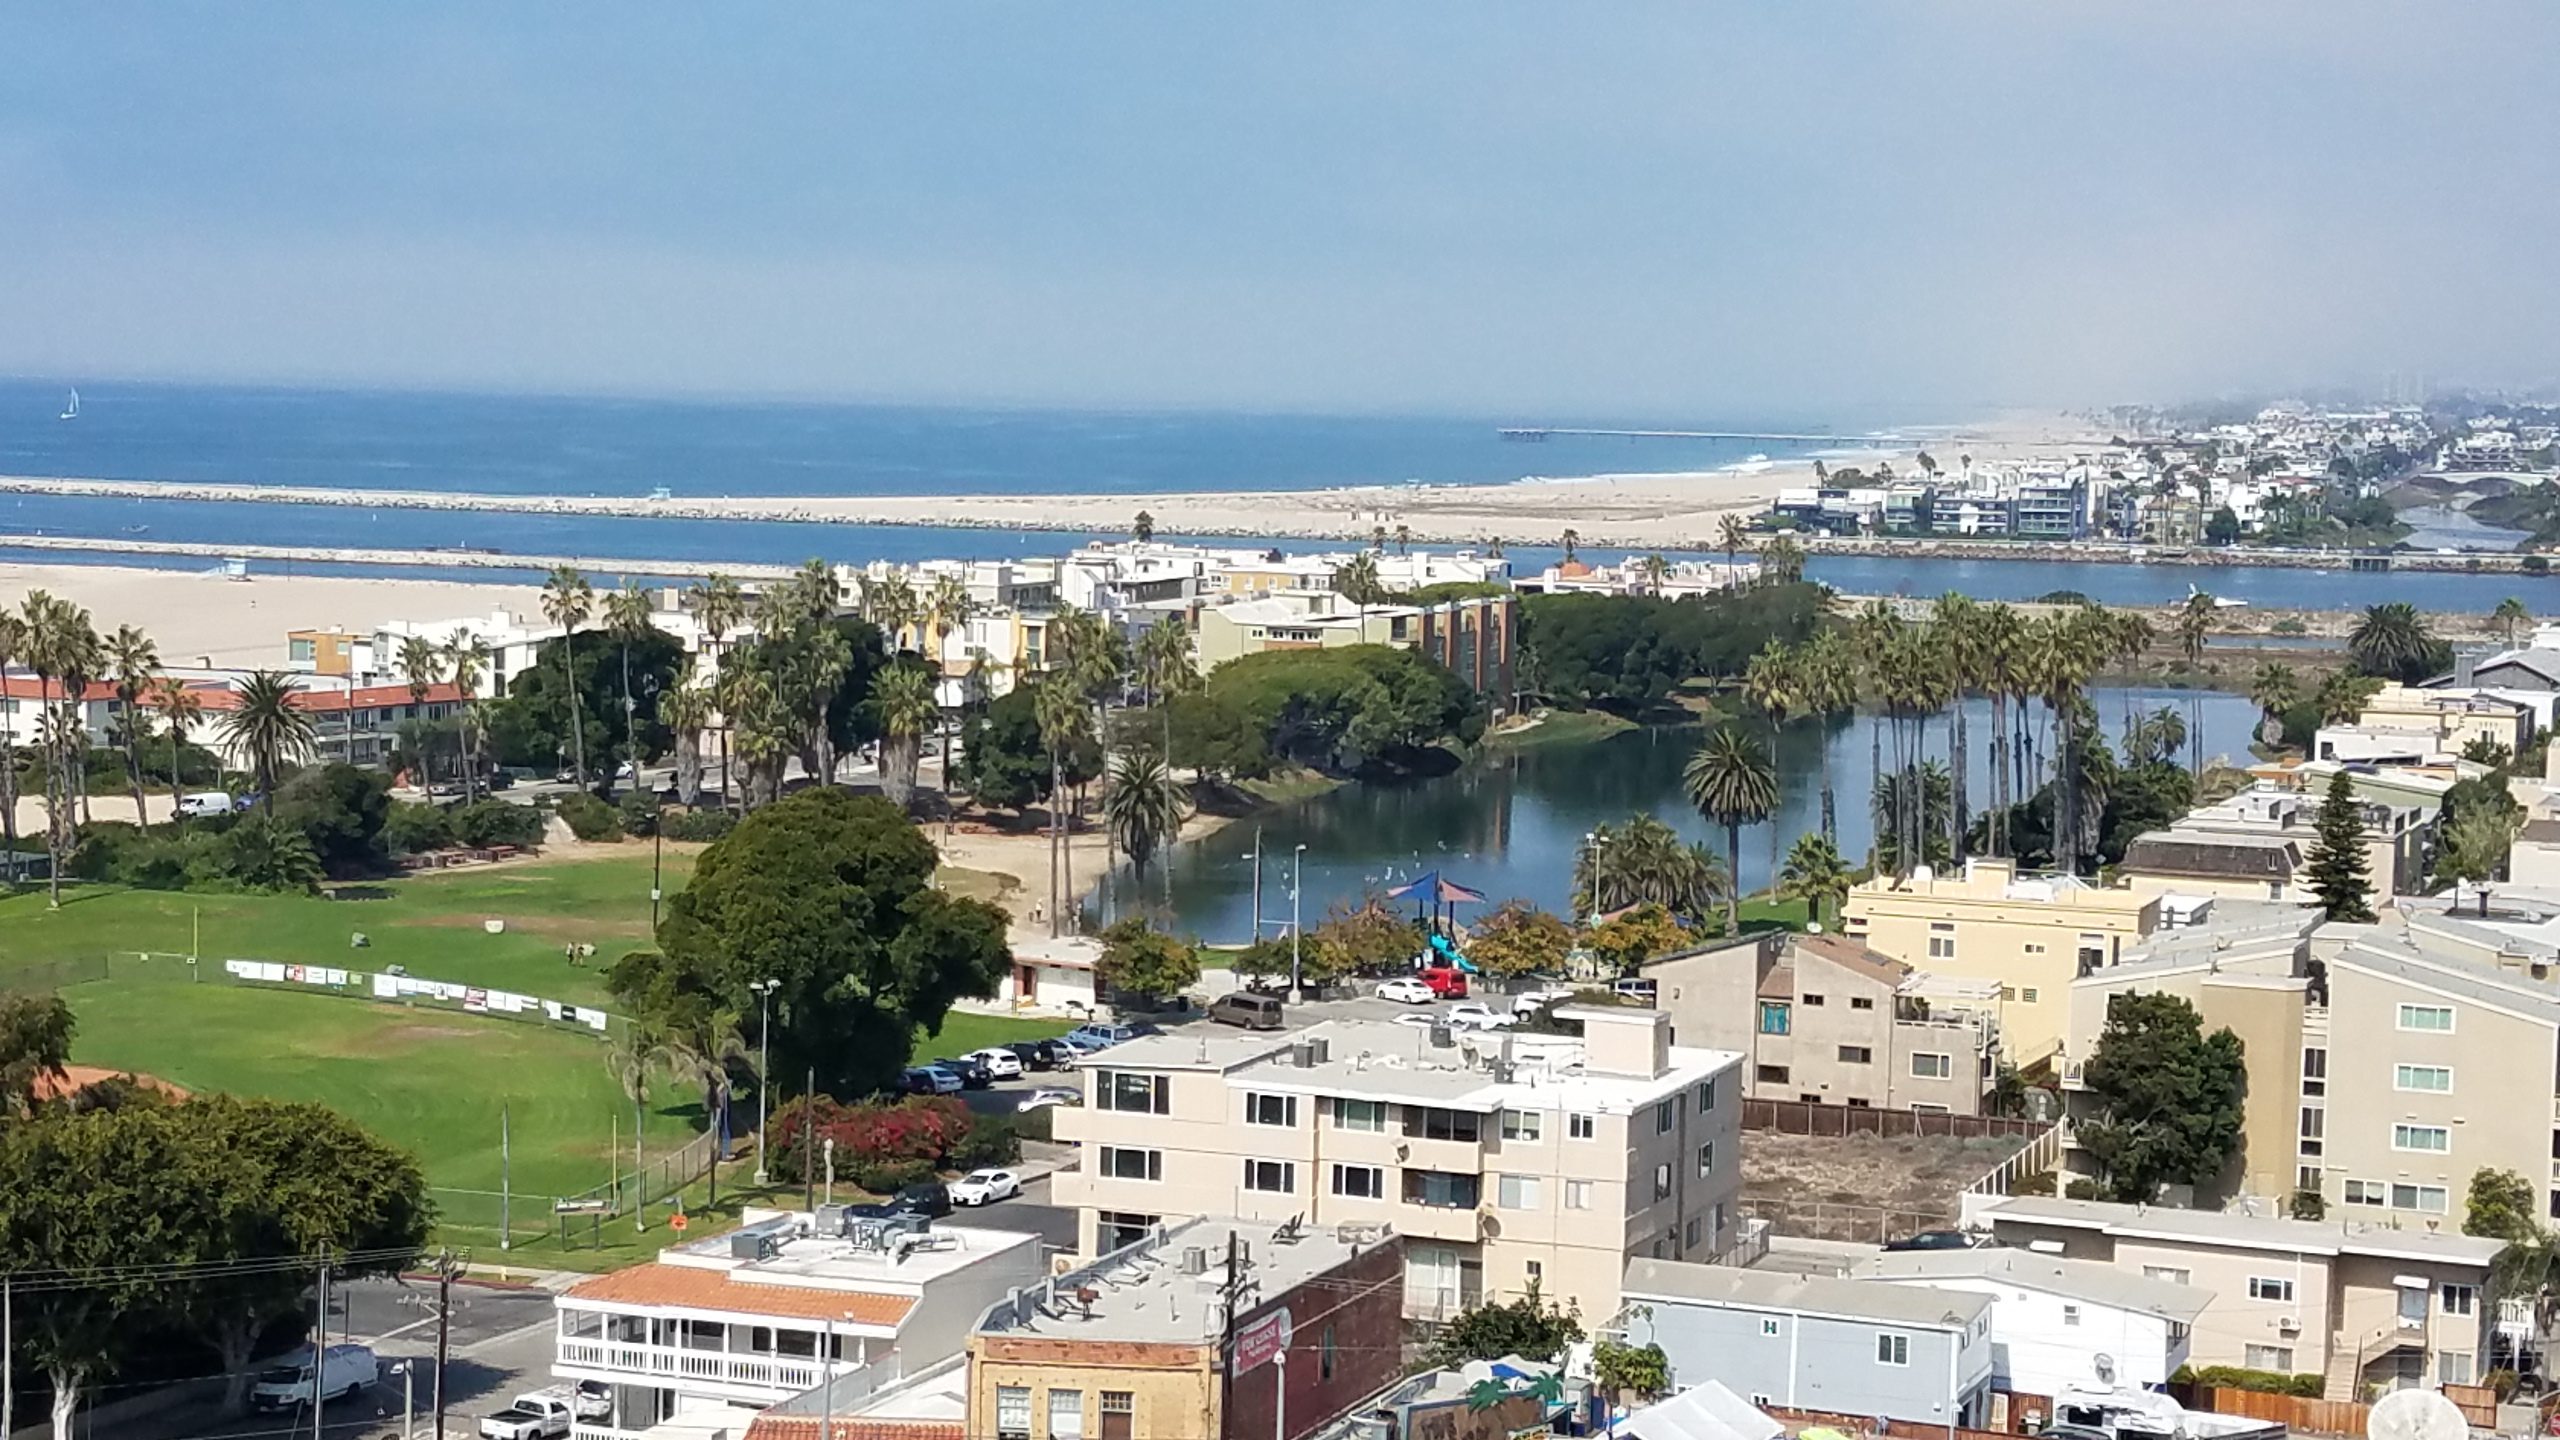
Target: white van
{"x": 204, "y": 803}
{"x": 344, "y": 1370}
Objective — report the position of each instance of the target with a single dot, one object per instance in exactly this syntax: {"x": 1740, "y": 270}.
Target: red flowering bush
{"x": 920, "y": 1129}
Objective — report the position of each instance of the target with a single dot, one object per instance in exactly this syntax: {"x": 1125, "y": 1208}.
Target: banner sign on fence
{"x": 387, "y": 986}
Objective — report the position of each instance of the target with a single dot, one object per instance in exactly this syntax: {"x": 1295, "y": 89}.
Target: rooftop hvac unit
{"x": 1195, "y": 1260}
{"x": 1319, "y": 1050}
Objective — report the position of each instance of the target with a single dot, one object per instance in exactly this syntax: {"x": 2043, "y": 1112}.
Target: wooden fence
{"x": 1864, "y": 1426}
{"x": 1803, "y": 1117}
{"x": 2294, "y": 1412}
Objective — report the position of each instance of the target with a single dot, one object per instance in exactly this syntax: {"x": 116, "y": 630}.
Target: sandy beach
{"x": 216, "y": 622}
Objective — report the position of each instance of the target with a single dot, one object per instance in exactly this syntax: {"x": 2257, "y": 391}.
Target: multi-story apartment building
{"x": 359, "y": 724}
{"x": 2353, "y": 1302}
{"x": 1143, "y": 1341}
{"x": 1824, "y": 1018}
{"x": 1504, "y": 1162}
{"x": 716, "y": 1330}
{"x": 2032, "y": 934}
{"x": 1474, "y": 638}
{"x": 2253, "y": 846}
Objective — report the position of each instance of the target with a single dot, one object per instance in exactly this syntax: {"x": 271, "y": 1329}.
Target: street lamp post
{"x": 406, "y": 1371}
{"x": 1590, "y": 849}
{"x": 764, "y": 1064}
{"x": 1297, "y": 976}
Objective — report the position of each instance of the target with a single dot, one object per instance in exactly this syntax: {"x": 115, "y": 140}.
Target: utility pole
{"x": 506, "y": 1173}
{"x": 444, "y": 1330}
{"x": 764, "y": 1065}
{"x": 1257, "y": 885}
{"x": 808, "y": 1173}
{"x": 319, "y": 1345}
{"x": 8, "y": 1353}
{"x": 1297, "y": 976}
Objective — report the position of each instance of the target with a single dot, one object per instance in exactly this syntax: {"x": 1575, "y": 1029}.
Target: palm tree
{"x": 1643, "y": 862}
{"x": 1144, "y": 529}
{"x": 421, "y": 664}
{"x": 1963, "y": 636}
{"x": 903, "y": 705}
{"x": 2510, "y": 614}
{"x": 1771, "y": 683}
{"x": 629, "y": 616}
{"x": 59, "y": 737}
{"x": 1143, "y": 810}
{"x": 182, "y": 708}
{"x": 1736, "y": 538}
{"x": 63, "y": 651}
{"x": 2273, "y": 690}
{"x": 719, "y": 606}
{"x": 948, "y": 607}
{"x": 1062, "y": 717}
{"x": 1829, "y": 687}
{"x": 265, "y": 725}
{"x": 1814, "y": 873}
{"x": 1356, "y": 580}
{"x": 1656, "y": 569}
{"x": 687, "y": 710}
{"x": 2195, "y": 621}
{"x": 1572, "y": 542}
{"x": 1997, "y": 641}
{"x": 1782, "y": 561}
{"x": 1733, "y": 783}
{"x": 890, "y": 603}
{"x": 2391, "y": 640}
{"x": 133, "y": 663}
{"x": 1404, "y": 539}
{"x": 1378, "y": 539}
{"x": 13, "y": 643}
{"x": 632, "y": 1054}
{"x": 567, "y": 601}
{"x": 466, "y": 660}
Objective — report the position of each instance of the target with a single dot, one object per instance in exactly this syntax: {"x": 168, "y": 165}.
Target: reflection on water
{"x": 1512, "y": 826}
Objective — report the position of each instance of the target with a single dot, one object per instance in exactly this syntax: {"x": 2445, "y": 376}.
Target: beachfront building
{"x": 2030, "y": 934}
{"x": 356, "y": 723}
{"x": 1504, "y": 1161}
{"x": 714, "y": 1331}
{"x": 333, "y": 651}
{"x": 1140, "y": 1342}
{"x": 2354, "y": 1302}
{"x": 25, "y": 698}
{"x": 1475, "y": 638}
{"x": 1827, "y": 1020}
{"x": 1642, "y": 575}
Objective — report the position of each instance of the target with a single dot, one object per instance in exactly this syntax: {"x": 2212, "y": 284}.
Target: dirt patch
{"x": 79, "y": 1077}
{"x": 391, "y": 1039}
{"x": 548, "y": 927}
{"x": 1862, "y": 1187}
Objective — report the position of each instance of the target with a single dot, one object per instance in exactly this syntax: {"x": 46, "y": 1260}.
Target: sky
{"x": 1721, "y": 212}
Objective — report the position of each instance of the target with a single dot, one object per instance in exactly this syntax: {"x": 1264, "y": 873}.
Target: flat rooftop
{"x": 2245, "y": 1232}
{"x": 802, "y": 1254}
{"x": 1150, "y": 1293}
{"x": 1738, "y": 1288}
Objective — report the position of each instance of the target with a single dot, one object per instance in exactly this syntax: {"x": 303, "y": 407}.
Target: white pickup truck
{"x": 546, "y": 1414}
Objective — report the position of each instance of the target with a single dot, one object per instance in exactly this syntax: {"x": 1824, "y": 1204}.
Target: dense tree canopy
{"x": 829, "y": 894}
{"x": 1347, "y": 709}
{"x": 1005, "y": 761}
{"x": 531, "y": 725}
{"x": 2168, "y": 1097}
{"x": 1630, "y": 650}
{"x": 1138, "y": 959}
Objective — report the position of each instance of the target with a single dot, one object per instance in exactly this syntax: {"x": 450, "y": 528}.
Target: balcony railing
{"x": 770, "y": 1372}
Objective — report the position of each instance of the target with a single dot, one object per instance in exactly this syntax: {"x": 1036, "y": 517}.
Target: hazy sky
{"x": 1719, "y": 211}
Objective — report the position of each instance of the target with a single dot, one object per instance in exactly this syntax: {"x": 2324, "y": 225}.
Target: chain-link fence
{"x": 1843, "y": 1220}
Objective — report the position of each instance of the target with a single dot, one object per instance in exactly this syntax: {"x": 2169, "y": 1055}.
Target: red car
{"x": 1446, "y": 981}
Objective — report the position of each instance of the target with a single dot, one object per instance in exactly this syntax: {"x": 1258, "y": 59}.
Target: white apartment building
{"x": 1503, "y": 1161}
{"x": 2056, "y": 1322}
{"x": 714, "y": 1331}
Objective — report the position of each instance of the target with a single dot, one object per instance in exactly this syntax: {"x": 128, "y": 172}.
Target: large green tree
{"x": 2339, "y": 873}
{"x": 829, "y": 895}
{"x": 1138, "y": 959}
{"x": 1006, "y": 761}
{"x": 35, "y": 1045}
{"x": 1352, "y": 708}
{"x": 340, "y": 809}
{"x": 533, "y": 725}
{"x": 2167, "y": 1097}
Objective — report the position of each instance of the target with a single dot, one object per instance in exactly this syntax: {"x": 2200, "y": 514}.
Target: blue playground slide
{"x": 1440, "y": 946}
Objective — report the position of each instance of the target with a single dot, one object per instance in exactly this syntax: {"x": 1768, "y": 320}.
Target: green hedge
{"x": 701, "y": 826}
{"x": 589, "y": 818}
{"x": 2266, "y": 1382}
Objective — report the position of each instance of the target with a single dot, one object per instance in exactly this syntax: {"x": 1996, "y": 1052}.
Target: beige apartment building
{"x": 1825, "y": 1019}
{"x": 2257, "y": 844}
{"x": 2426, "y": 725}
{"x": 1473, "y": 638}
{"x": 1503, "y": 1161}
{"x": 2357, "y": 1303}
{"x": 2386, "y": 1062}
{"x": 2031, "y": 934}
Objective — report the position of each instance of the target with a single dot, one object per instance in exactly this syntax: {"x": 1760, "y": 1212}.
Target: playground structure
{"x": 1435, "y": 909}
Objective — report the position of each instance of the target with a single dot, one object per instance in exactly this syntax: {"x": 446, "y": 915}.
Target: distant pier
{"x": 1536, "y": 434}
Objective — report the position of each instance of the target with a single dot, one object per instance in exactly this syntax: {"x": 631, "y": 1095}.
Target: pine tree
{"x": 2337, "y": 861}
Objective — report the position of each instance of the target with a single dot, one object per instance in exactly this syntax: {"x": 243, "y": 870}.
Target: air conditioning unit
{"x": 2290, "y": 1325}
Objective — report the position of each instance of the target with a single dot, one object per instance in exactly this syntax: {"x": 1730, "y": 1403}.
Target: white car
{"x": 1476, "y": 1015}
{"x": 1048, "y": 1095}
{"x": 1000, "y": 1062}
{"x": 1406, "y": 991}
{"x": 985, "y": 1187}
{"x": 1530, "y": 1002}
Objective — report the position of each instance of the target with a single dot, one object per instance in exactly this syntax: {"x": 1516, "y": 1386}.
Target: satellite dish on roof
{"x": 2105, "y": 1366}
{"x": 2416, "y": 1415}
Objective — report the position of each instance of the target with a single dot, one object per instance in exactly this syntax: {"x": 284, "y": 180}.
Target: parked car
{"x": 1243, "y": 1007}
{"x": 538, "y": 1414}
{"x": 929, "y": 1080}
{"x": 1000, "y": 1062}
{"x": 1035, "y": 1054}
{"x": 1934, "y": 1240}
{"x": 1446, "y": 981}
{"x": 985, "y": 1187}
{"x": 1476, "y": 1015}
{"x": 1048, "y": 1095}
{"x": 975, "y": 1074}
{"x": 925, "y": 1197}
{"x": 204, "y": 803}
{"x": 1081, "y": 1046}
{"x": 1530, "y": 1002}
{"x": 1405, "y": 990}
{"x": 344, "y": 1370}
{"x": 1111, "y": 1033}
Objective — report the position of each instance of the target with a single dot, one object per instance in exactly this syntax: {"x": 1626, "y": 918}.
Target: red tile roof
{"x": 329, "y": 699}
{"x": 693, "y": 1288}
{"x": 770, "y": 1426}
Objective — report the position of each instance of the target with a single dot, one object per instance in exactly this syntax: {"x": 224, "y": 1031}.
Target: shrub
{"x": 992, "y": 1140}
{"x": 495, "y": 822}
{"x": 887, "y": 1177}
{"x": 2264, "y": 1382}
{"x": 927, "y": 1130}
{"x": 700, "y": 826}
{"x": 589, "y": 818}
{"x": 415, "y": 829}
{"x": 639, "y": 814}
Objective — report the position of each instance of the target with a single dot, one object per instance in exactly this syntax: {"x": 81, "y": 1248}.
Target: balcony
{"x": 618, "y": 1359}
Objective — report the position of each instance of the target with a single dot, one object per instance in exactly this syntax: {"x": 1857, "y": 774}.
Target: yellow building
{"x": 1473, "y": 638}
{"x": 2033, "y": 934}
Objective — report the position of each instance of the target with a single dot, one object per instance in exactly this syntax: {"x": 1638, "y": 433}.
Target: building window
{"x": 1809, "y": 999}
{"x": 1856, "y": 1055}
{"x": 1120, "y": 1090}
{"x": 1360, "y": 1182}
{"x": 1769, "y": 1326}
{"x": 2268, "y": 1287}
{"x": 1862, "y": 1002}
{"x": 1520, "y": 1125}
{"x": 1929, "y": 1065}
{"x": 2425, "y": 1199}
{"x": 1422, "y": 1122}
{"x": 1277, "y": 1176}
{"x": 1517, "y": 1192}
{"x": 1120, "y": 1407}
{"x": 1066, "y": 1415}
{"x": 2453, "y": 1367}
{"x": 2027, "y": 995}
{"x": 2432, "y": 1139}
{"x": 1693, "y": 1232}
{"x": 1770, "y": 1074}
{"x": 1440, "y": 1190}
{"x": 2314, "y": 1127}
{"x": 2070, "y": 1314}
{"x": 2434, "y": 1079}
{"x": 1533, "y": 1271}
{"x": 2462, "y": 1300}
{"x": 2174, "y": 1274}
{"x": 2278, "y": 1358}
{"x": 1579, "y": 1126}
{"x": 2306, "y": 1177}
{"x": 2366, "y": 1192}
{"x": 1577, "y": 1194}
{"x": 2427, "y": 1017}
{"x": 2315, "y": 1072}
{"x": 1662, "y": 1114}
{"x": 1368, "y": 1115}
{"x": 1893, "y": 1349}
{"x": 1707, "y": 1158}
{"x": 1661, "y": 1182}
{"x": 1122, "y": 1163}
{"x": 1773, "y": 1017}
{"x": 1271, "y": 1110}
{"x": 1706, "y": 1096}
{"x": 1013, "y": 1412}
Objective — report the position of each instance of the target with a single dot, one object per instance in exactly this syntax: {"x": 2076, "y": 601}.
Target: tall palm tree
{"x": 1997, "y": 643}
{"x": 1404, "y": 539}
{"x": 1814, "y": 873}
{"x": 1656, "y": 569}
{"x": 1142, "y": 809}
{"x": 633, "y": 1054}
{"x": 181, "y": 708}
{"x": 1735, "y": 535}
{"x": 1143, "y": 529}
{"x": 949, "y": 607}
{"x": 687, "y": 711}
{"x": 1572, "y": 542}
{"x": 62, "y": 649}
{"x": 1062, "y": 717}
{"x": 1378, "y": 538}
{"x": 2510, "y": 614}
{"x": 1644, "y": 862}
{"x": 1829, "y": 682}
{"x": 2195, "y": 623}
{"x": 1781, "y": 561}
{"x": 903, "y": 705}
{"x": 1963, "y": 636}
{"x": 628, "y": 616}
{"x": 2273, "y": 689}
{"x": 890, "y": 603}
{"x": 133, "y": 663}
{"x": 62, "y": 738}
{"x": 719, "y": 606}
{"x": 466, "y": 658}
{"x": 1356, "y": 580}
{"x": 1164, "y": 660}
{"x": 567, "y": 601}
{"x": 1773, "y": 685}
{"x": 265, "y": 725}
{"x": 13, "y": 644}
{"x": 1733, "y": 783}
{"x": 421, "y": 664}
{"x": 2391, "y": 640}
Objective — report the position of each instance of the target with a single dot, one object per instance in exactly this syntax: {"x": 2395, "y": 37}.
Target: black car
{"x": 1933, "y": 1240}
{"x": 1040, "y": 1054}
{"x": 929, "y": 1198}
{"x": 973, "y": 1073}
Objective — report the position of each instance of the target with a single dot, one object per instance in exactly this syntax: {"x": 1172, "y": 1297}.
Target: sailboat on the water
{"x": 71, "y": 411}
